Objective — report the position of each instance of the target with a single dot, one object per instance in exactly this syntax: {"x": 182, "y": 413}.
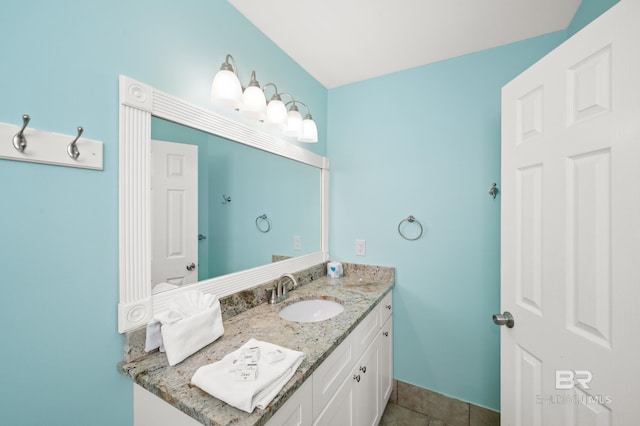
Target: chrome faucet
{"x": 279, "y": 292}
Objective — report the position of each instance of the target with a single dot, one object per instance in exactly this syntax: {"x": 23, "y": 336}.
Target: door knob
{"x": 504, "y": 319}
{"x": 191, "y": 267}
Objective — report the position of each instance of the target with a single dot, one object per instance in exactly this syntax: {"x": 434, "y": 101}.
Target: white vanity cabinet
{"x": 359, "y": 397}
{"x": 350, "y": 388}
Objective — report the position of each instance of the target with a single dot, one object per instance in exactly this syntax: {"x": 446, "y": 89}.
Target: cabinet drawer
{"x": 332, "y": 372}
{"x": 386, "y": 308}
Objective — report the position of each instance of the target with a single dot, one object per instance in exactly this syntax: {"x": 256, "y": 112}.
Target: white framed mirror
{"x": 140, "y": 106}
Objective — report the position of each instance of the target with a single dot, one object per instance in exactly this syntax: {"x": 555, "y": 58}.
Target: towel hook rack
{"x": 19, "y": 141}
{"x": 410, "y": 219}
{"x": 260, "y": 221}
{"x": 72, "y": 148}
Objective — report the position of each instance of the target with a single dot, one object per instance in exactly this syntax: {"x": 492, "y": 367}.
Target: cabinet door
{"x": 340, "y": 409}
{"x": 366, "y": 394}
{"x": 330, "y": 375}
{"x": 297, "y": 410}
{"x": 386, "y": 362}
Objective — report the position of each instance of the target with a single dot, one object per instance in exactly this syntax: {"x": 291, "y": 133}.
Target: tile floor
{"x": 411, "y": 405}
{"x": 395, "y": 415}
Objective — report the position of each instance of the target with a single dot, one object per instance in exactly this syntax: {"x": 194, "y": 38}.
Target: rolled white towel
{"x": 219, "y": 379}
{"x": 192, "y": 321}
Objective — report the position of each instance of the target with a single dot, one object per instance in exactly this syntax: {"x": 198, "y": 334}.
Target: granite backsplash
{"x": 234, "y": 304}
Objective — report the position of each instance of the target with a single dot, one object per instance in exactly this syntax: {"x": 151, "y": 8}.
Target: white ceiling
{"x": 343, "y": 41}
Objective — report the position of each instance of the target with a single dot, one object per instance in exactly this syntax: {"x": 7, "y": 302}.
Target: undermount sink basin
{"x": 311, "y": 310}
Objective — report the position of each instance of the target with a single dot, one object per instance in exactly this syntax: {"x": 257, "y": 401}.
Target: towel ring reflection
{"x": 410, "y": 219}
{"x": 263, "y": 224}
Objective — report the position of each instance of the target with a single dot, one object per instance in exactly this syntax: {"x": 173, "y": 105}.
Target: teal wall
{"x": 58, "y": 226}
{"x": 587, "y": 12}
{"x": 426, "y": 142}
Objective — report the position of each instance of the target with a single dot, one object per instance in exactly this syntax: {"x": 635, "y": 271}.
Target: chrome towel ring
{"x": 410, "y": 219}
{"x": 263, "y": 224}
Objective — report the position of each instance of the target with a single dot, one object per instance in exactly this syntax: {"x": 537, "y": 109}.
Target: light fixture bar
{"x": 227, "y": 91}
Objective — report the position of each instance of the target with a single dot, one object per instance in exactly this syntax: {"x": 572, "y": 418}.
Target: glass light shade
{"x": 309, "y": 131}
{"x": 294, "y": 123}
{"x": 226, "y": 89}
{"x": 254, "y": 104}
{"x": 276, "y": 114}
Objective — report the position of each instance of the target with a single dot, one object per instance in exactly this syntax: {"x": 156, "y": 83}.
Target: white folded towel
{"x": 218, "y": 379}
{"x": 192, "y": 321}
{"x": 160, "y": 287}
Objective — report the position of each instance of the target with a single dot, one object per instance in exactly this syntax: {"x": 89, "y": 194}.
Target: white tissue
{"x": 334, "y": 270}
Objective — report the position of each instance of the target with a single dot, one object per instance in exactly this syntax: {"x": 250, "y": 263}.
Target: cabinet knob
{"x": 356, "y": 378}
{"x": 363, "y": 369}
{"x": 385, "y": 333}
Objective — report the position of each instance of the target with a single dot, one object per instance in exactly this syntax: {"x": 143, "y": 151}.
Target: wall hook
{"x": 72, "y": 148}
{"x": 493, "y": 191}
{"x": 19, "y": 141}
{"x": 226, "y": 199}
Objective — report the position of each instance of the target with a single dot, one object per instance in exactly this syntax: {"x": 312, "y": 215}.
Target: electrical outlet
{"x": 297, "y": 242}
{"x": 361, "y": 247}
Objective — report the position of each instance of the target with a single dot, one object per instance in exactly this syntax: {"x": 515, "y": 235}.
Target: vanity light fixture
{"x": 294, "y": 120}
{"x": 309, "y": 131}
{"x": 254, "y": 103}
{"x": 276, "y": 111}
{"x": 305, "y": 130}
{"x": 227, "y": 91}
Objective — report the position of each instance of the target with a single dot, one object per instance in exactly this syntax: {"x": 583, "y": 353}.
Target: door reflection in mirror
{"x": 258, "y": 182}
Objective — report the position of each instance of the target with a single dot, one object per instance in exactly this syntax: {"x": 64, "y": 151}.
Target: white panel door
{"x": 174, "y": 218}
{"x": 570, "y": 237}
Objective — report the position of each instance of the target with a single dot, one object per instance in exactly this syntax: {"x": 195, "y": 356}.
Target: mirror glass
{"x": 248, "y": 207}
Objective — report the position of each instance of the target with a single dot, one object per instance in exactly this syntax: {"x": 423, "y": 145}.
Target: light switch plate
{"x": 361, "y": 247}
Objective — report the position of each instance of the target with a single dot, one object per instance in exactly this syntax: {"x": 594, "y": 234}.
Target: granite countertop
{"x": 317, "y": 340}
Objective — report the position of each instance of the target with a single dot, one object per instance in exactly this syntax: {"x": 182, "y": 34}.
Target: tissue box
{"x": 334, "y": 270}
